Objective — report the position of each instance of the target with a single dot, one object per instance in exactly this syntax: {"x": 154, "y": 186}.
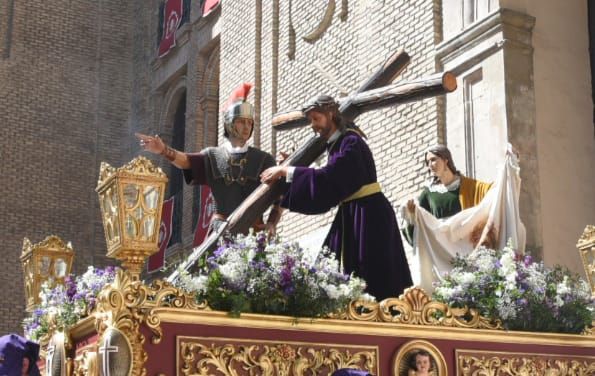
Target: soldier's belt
{"x": 365, "y": 190}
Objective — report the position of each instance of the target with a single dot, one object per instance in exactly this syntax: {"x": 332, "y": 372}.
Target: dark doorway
{"x": 176, "y": 177}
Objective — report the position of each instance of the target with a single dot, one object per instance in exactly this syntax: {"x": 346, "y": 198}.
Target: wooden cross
{"x": 371, "y": 95}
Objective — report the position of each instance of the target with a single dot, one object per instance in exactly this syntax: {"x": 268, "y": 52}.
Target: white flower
{"x": 465, "y": 278}
{"x": 367, "y": 298}
{"x": 563, "y": 287}
{"x": 331, "y": 291}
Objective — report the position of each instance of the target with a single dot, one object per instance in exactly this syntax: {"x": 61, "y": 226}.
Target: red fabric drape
{"x": 208, "y": 6}
{"x": 172, "y": 17}
{"x": 206, "y": 210}
{"x": 157, "y": 260}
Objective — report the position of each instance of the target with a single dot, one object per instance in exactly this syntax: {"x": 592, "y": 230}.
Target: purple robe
{"x": 364, "y": 234}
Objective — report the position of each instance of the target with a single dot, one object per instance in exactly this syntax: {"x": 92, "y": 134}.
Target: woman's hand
{"x": 411, "y": 206}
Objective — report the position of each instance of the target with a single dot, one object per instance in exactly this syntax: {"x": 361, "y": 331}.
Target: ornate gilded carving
{"x": 51, "y": 242}
{"x": 416, "y": 307}
{"x": 208, "y": 356}
{"x": 586, "y": 248}
{"x": 587, "y": 237}
{"x": 86, "y": 364}
{"x": 524, "y": 364}
{"x": 127, "y": 303}
{"x": 138, "y": 166}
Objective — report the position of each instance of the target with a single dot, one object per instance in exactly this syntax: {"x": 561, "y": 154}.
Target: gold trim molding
{"x": 473, "y": 362}
{"x": 415, "y": 307}
{"x": 230, "y": 357}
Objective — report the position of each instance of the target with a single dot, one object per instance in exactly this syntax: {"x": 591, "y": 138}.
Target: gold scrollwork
{"x": 139, "y": 165}
{"x": 416, "y": 307}
{"x": 85, "y": 364}
{"x": 127, "y": 303}
{"x": 588, "y": 236}
{"x": 270, "y": 359}
{"x": 523, "y": 366}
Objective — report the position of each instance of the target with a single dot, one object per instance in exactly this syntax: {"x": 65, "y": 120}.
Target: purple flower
{"x": 70, "y": 287}
{"x": 261, "y": 241}
{"x": 288, "y": 290}
{"x": 78, "y": 296}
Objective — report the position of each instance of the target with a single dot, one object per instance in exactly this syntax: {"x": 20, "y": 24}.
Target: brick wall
{"x": 65, "y": 90}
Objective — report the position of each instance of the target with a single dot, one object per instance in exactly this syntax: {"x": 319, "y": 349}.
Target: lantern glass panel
{"x": 148, "y": 227}
{"x": 151, "y": 197}
{"x": 130, "y": 226}
{"x": 44, "y": 265}
{"x": 109, "y": 230}
{"x": 138, "y": 213}
{"x": 130, "y": 195}
{"x": 60, "y": 268}
{"x": 109, "y": 204}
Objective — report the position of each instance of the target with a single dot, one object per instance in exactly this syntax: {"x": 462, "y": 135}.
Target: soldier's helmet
{"x": 238, "y": 107}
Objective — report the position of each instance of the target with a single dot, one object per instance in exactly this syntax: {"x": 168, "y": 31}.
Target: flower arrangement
{"x": 249, "y": 274}
{"x": 64, "y": 305}
{"x": 523, "y": 294}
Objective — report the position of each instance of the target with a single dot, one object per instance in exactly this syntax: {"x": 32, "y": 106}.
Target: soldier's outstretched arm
{"x": 155, "y": 145}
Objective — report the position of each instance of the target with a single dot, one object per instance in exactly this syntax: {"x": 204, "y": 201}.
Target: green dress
{"x": 444, "y": 203}
{"x": 440, "y": 204}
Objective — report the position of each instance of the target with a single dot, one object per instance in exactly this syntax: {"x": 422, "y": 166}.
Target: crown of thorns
{"x": 321, "y": 102}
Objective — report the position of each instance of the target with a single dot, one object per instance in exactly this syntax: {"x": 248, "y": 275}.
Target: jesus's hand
{"x": 272, "y": 174}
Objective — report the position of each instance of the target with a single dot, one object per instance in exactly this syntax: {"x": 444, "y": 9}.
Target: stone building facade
{"x": 78, "y": 80}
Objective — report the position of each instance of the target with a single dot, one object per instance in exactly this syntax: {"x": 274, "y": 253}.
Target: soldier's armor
{"x": 232, "y": 177}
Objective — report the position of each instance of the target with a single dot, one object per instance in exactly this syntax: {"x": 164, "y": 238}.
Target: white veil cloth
{"x": 494, "y": 222}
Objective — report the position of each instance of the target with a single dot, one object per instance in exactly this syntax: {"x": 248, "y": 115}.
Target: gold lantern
{"x": 586, "y": 247}
{"x": 49, "y": 260}
{"x": 131, "y": 199}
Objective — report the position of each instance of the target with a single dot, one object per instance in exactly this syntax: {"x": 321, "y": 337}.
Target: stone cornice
{"x": 514, "y": 27}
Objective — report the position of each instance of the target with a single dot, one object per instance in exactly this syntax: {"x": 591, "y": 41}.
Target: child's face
{"x": 422, "y": 363}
